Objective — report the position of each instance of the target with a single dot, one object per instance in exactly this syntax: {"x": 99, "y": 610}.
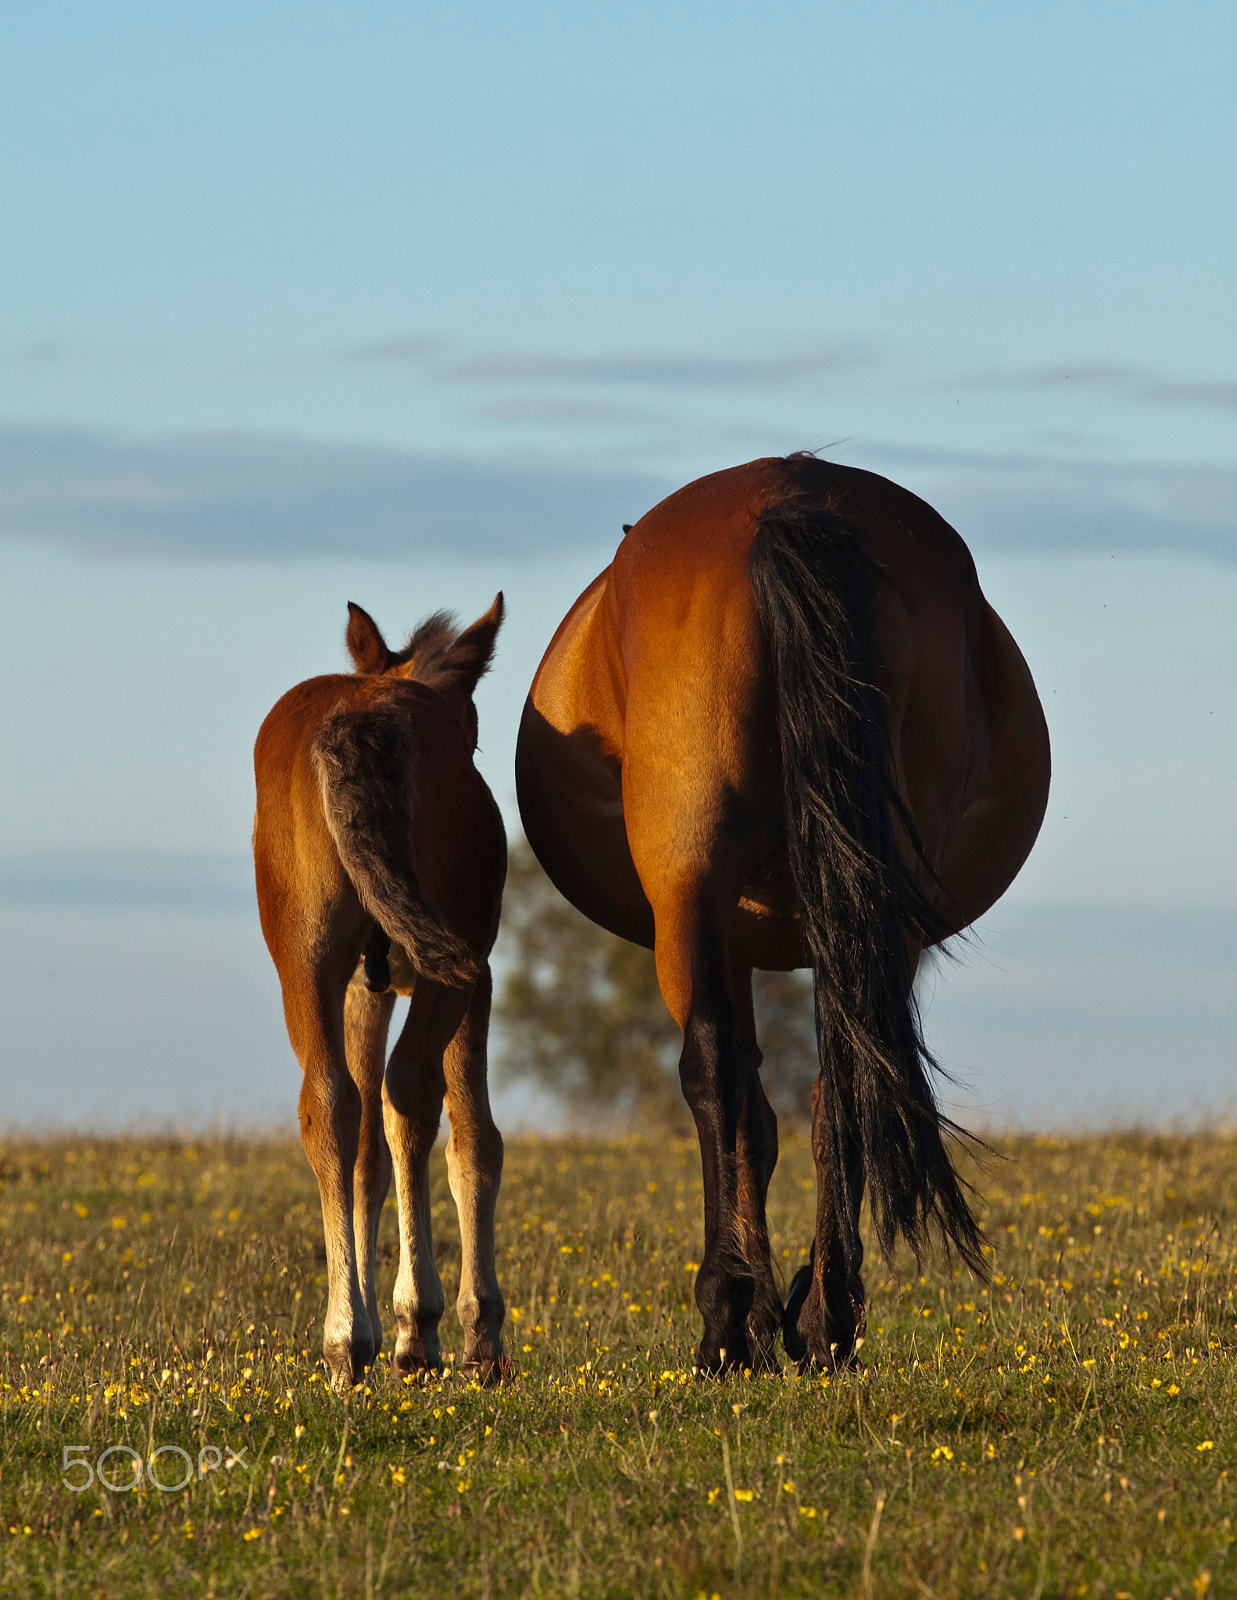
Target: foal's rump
{"x": 374, "y": 779}
{"x": 368, "y": 799}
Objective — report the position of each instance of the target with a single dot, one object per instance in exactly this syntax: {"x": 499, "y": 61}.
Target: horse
{"x": 380, "y": 857}
{"x": 785, "y": 729}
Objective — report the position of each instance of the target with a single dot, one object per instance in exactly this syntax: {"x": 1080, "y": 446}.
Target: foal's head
{"x": 437, "y": 654}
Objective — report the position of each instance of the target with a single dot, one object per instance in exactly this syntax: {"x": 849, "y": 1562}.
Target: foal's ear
{"x": 366, "y": 645}
{"x": 468, "y": 659}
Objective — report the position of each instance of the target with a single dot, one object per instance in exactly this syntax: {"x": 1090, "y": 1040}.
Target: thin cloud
{"x": 1117, "y": 378}
{"x": 638, "y": 369}
{"x": 658, "y": 370}
{"x": 1030, "y": 502}
{"x": 40, "y": 353}
{"x": 397, "y": 352}
{"x": 116, "y": 880}
{"x": 565, "y": 412}
{"x": 242, "y": 496}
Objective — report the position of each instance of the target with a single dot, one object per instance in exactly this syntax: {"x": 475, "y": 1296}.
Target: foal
{"x": 380, "y": 858}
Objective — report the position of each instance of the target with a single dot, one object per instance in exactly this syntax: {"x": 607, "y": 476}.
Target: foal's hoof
{"x": 488, "y": 1372}
{"x": 349, "y": 1367}
{"x": 416, "y": 1364}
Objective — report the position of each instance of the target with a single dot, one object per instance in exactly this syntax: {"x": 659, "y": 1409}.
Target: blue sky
{"x": 403, "y": 305}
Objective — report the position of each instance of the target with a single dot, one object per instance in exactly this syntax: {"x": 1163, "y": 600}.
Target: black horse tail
{"x": 366, "y": 776}
{"x": 814, "y": 586}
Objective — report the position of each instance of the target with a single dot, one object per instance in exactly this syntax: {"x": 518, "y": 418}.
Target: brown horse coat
{"x": 380, "y": 857}
{"x": 783, "y": 729}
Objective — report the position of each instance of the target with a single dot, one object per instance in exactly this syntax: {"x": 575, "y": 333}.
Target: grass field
{"x": 1064, "y": 1432}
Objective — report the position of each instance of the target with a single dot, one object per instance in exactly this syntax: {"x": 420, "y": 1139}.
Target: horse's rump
{"x": 366, "y": 758}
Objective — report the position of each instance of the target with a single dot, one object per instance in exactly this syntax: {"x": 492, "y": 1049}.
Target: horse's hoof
{"x": 796, "y": 1347}
{"x": 764, "y": 1324}
{"x": 488, "y": 1372}
{"x": 349, "y": 1356}
{"x": 763, "y": 1347}
{"x": 348, "y": 1370}
{"x": 724, "y": 1360}
{"x": 414, "y": 1364}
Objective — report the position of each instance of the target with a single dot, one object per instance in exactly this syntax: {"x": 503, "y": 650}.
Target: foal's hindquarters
{"x": 380, "y": 858}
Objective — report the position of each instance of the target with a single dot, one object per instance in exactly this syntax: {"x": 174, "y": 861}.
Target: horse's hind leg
{"x": 412, "y": 1108}
{"x": 757, "y": 1157}
{"x": 366, "y": 1020}
{"x": 474, "y": 1170}
{"x": 693, "y": 971}
{"x": 825, "y": 1313}
{"x": 331, "y": 1115}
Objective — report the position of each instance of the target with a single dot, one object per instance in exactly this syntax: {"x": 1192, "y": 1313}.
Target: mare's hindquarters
{"x": 740, "y": 631}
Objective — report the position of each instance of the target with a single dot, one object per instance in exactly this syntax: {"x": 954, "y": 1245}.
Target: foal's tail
{"x": 365, "y": 764}
{"x": 814, "y": 587}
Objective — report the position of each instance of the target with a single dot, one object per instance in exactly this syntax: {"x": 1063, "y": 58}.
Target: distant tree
{"x": 579, "y": 1013}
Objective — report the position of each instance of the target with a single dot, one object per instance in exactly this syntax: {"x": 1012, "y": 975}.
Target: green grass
{"x": 1065, "y": 1432}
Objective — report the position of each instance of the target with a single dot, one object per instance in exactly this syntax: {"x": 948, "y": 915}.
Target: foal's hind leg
{"x": 412, "y": 1108}
{"x": 331, "y": 1114}
{"x": 474, "y": 1170}
{"x": 757, "y": 1156}
{"x": 366, "y": 1020}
